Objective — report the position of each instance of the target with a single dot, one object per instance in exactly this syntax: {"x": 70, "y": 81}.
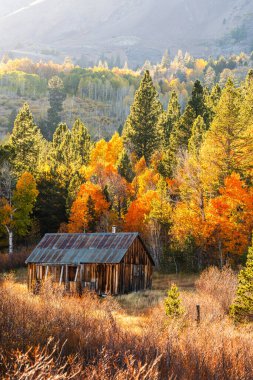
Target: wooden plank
{"x": 66, "y": 277}
{"x": 61, "y": 275}
{"x": 46, "y": 272}
{"x": 77, "y": 270}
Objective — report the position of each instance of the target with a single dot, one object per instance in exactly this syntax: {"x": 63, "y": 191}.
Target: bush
{"x": 242, "y": 307}
{"x": 93, "y": 341}
{"x": 218, "y": 284}
{"x": 39, "y": 363}
{"x": 14, "y": 261}
{"x": 173, "y": 304}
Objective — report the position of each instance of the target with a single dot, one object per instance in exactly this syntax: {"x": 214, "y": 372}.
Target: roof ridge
{"x": 90, "y": 233}
{"x": 99, "y": 247}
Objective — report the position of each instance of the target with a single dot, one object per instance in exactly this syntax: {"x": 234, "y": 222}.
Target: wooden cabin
{"x": 108, "y": 263}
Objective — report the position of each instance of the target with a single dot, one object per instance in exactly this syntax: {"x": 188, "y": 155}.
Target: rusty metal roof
{"x": 60, "y": 248}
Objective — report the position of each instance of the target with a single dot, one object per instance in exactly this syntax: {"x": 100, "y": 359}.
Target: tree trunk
{"x": 10, "y": 235}
{"x": 10, "y": 242}
{"x": 221, "y": 255}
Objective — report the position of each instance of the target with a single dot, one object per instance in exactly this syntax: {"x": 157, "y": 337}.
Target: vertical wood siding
{"x": 132, "y": 274}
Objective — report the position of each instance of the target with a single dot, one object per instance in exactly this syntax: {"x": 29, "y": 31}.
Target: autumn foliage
{"x": 79, "y": 217}
{"x": 181, "y": 176}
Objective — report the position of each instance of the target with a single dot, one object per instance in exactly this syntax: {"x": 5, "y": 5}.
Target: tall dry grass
{"x": 15, "y": 260}
{"x": 96, "y": 345}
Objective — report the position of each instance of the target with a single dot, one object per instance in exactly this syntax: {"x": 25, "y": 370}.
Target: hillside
{"x": 133, "y": 30}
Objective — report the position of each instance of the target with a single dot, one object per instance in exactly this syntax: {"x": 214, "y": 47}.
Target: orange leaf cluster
{"x": 78, "y": 220}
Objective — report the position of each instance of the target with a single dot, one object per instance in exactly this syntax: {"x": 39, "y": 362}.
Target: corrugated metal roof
{"x": 76, "y": 249}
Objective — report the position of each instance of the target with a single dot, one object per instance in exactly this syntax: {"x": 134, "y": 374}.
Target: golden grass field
{"x": 124, "y": 337}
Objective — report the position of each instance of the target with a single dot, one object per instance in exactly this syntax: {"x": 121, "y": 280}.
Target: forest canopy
{"x": 178, "y": 170}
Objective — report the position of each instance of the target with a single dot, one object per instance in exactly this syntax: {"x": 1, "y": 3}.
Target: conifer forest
{"x": 165, "y": 150}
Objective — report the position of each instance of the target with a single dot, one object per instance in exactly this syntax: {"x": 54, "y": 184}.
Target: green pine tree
{"x": 197, "y": 136}
{"x": 124, "y": 167}
{"x": 246, "y": 109}
{"x": 242, "y": 308}
{"x": 80, "y": 144}
{"x": 173, "y": 303}
{"x": 91, "y": 215}
{"x": 211, "y": 102}
{"x": 56, "y": 99}
{"x": 73, "y": 188}
{"x": 228, "y": 144}
{"x": 61, "y": 146}
{"x": 141, "y": 133}
{"x": 50, "y": 208}
{"x": 197, "y": 101}
{"x": 25, "y": 142}
{"x": 180, "y": 134}
{"x": 168, "y": 118}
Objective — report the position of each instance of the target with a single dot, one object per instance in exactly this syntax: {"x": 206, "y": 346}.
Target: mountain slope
{"x": 137, "y": 28}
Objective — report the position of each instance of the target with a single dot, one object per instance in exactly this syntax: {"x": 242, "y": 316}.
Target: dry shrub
{"x": 210, "y": 308}
{"x": 45, "y": 363}
{"x": 219, "y": 284}
{"x": 124, "y": 366}
{"x": 163, "y": 349}
{"x": 15, "y": 260}
{"x": 85, "y": 324}
{"x": 210, "y": 350}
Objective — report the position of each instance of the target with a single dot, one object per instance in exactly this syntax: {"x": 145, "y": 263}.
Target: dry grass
{"x": 142, "y": 302}
{"x": 14, "y": 261}
{"x": 101, "y": 340}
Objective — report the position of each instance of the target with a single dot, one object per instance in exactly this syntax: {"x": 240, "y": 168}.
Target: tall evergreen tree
{"x": 181, "y": 133}
{"x": 174, "y": 109}
{"x": 228, "y": 146}
{"x": 25, "y": 143}
{"x": 197, "y": 102}
{"x": 141, "y": 132}
{"x": 242, "y": 308}
{"x": 50, "y": 208}
{"x": 178, "y": 142}
{"x": 246, "y": 109}
{"x": 197, "y": 136}
{"x": 61, "y": 146}
{"x": 168, "y": 118}
{"x": 211, "y": 101}
{"x": 81, "y": 144}
{"x": 124, "y": 167}
{"x": 56, "y": 99}
{"x": 91, "y": 215}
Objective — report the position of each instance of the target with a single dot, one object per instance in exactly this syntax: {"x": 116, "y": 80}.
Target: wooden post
{"x": 61, "y": 275}
{"x": 82, "y": 276}
{"x": 66, "y": 278}
{"x": 77, "y": 270}
{"x": 198, "y": 314}
{"x": 46, "y": 272}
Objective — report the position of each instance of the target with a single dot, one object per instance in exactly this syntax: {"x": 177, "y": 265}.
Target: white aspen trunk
{"x": 10, "y": 242}
{"x": 10, "y": 236}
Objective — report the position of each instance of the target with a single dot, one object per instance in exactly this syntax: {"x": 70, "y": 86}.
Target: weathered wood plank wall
{"x": 132, "y": 274}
